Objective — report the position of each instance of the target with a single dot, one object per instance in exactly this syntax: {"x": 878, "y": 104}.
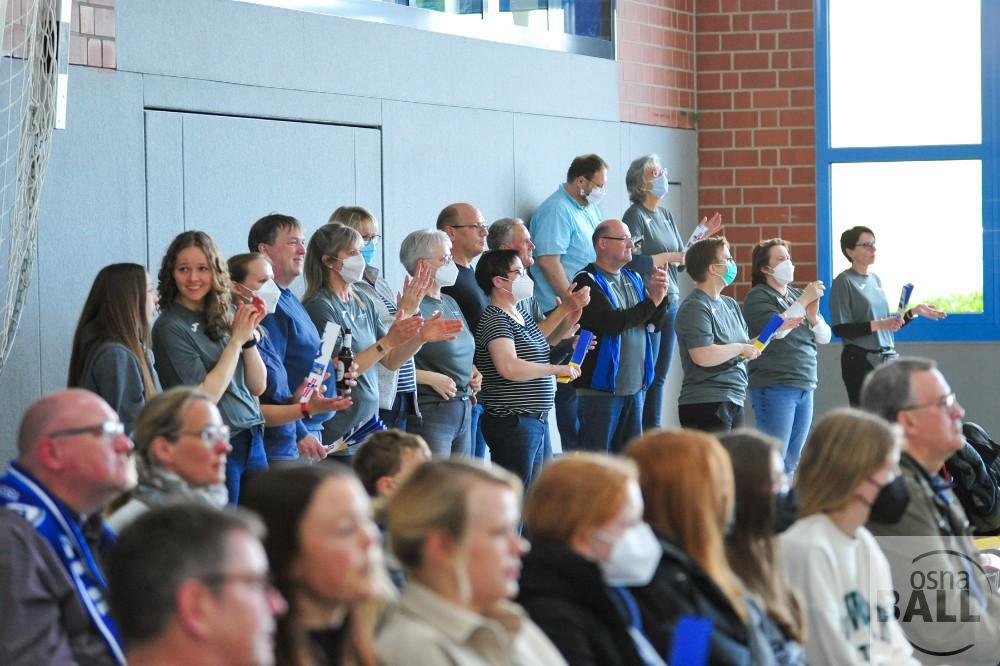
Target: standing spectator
{"x": 111, "y": 353}
{"x": 783, "y": 379}
{"x": 190, "y": 585}
{"x": 646, "y": 181}
{"x": 518, "y": 380}
{"x": 466, "y": 228}
{"x": 199, "y": 342}
{"x": 181, "y": 447}
{"x": 326, "y": 560}
{"x": 454, "y": 526}
{"x": 291, "y": 333}
{"x": 621, "y": 313}
{"x": 562, "y": 228}
{"x": 859, "y": 313}
{"x": 445, "y": 411}
{"x": 73, "y": 457}
{"x": 278, "y": 403}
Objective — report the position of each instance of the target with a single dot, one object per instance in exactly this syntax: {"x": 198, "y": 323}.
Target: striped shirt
{"x": 503, "y": 397}
{"x": 406, "y": 380}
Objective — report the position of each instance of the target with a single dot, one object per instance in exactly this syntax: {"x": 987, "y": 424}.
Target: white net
{"x": 29, "y": 81}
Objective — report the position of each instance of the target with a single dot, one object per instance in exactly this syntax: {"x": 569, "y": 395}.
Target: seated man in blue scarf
{"x": 622, "y": 313}
{"x": 73, "y": 459}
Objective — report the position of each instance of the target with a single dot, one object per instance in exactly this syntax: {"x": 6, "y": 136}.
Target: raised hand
{"x": 714, "y": 225}
{"x": 790, "y": 323}
{"x": 659, "y": 282}
{"x": 929, "y": 311}
{"x": 577, "y": 300}
{"x": 245, "y": 322}
{"x": 436, "y": 329}
{"x": 414, "y": 289}
{"x": 402, "y": 329}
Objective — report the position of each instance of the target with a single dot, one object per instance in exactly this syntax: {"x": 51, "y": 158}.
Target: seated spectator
{"x": 387, "y": 459}
{"x": 326, "y": 561}
{"x": 189, "y": 585}
{"x": 72, "y": 459}
{"x": 182, "y": 447}
{"x": 836, "y": 564}
{"x": 454, "y": 526}
{"x": 519, "y": 383}
{"x": 764, "y": 507}
{"x": 687, "y": 485}
{"x": 279, "y": 403}
{"x": 920, "y": 524}
{"x": 584, "y": 517}
{"x": 199, "y": 341}
{"x": 112, "y": 348}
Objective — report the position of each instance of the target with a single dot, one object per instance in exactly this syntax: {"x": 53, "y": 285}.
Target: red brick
{"x": 743, "y": 138}
{"x": 797, "y": 118}
{"x": 715, "y": 177}
{"x": 758, "y": 80}
{"x": 741, "y": 23}
{"x": 805, "y": 253}
{"x": 795, "y": 4}
{"x": 94, "y": 51}
{"x": 799, "y": 39}
{"x": 739, "y": 42}
{"x": 769, "y": 157}
{"x": 800, "y": 20}
{"x": 750, "y": 61}
{"x": 803, "y": 176}
{"x": 710, "y": 197}
{"x": 798, "y": 195}
{"x": 730, "y": 81}
{"x": 739, "y": 119}
{"x": 769, "y": 215}
{"x": 780, "y": 176}
{"x": 796, "y": 78}
{"x": 104, "y": 22}
{"x": 779, "y": 60}
{"x": 715, "y": 139}
{"x": 741, "y": 158}
{"x": 770, "y": 137}
{"x": 742, "y": 100}
{"x": 801, "y": 59}
{"x": 709, "y": 81}
{"x": 710, "y": 120}
{"x": 799, "y": 233}
{"x": 743, "y": 235}
{"x": 714, "y": 62}
{"x": 721, "y": 100}
{"x": 710, "y": 158}
{"x": 803, "y": 98}
{"x": 770, "y": 98}
{"x": 707, "y": 43}
{"x": 739, "y": 215}
{"x": 734, "y": 196}
{"x": 805, "y": 272}
{"x": 803, "y": 215}
{"x": 803, "y": 137}
{"x": 753, "y": 176}
{"x": 760, "y": 195}
{"x": 706, "y": 6}
{"x": 769, "y": 118}
{"x": 712, "y": 23}
{"x": 109, "y": 55}
{"x": 766, "y": 41}
{"x": 775, "y": 21}
{"x": 77, "y": 49}
{"x": 757, "y": 5}
{"x": 797, "y": 156}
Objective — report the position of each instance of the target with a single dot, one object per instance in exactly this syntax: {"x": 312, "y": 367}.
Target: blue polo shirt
{"x": 280, "y": 442}
{"x": 561, "y": 226}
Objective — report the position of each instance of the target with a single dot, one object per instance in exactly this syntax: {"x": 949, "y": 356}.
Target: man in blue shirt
{"x": 561, "y": 229}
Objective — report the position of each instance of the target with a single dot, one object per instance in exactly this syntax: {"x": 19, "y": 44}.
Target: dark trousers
{"x": 711, "y": 416}
{"x": 854, "y": 367}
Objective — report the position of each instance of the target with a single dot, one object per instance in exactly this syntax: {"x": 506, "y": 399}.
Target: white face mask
{"x": 634, "y": 556}
{"x": 270, "y": 293}
{"x": 522, "y": 288}
{"x": 446, "y": 275}
{"x": 784, "y": 272}
{"x": 595, "y": 195}
{"x": 352, "y": 268}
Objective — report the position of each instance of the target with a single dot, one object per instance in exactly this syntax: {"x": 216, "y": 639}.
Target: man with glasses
{"x": 920, "y": 524}
{"x": 190, "y": 585}
{"x": 622, "y": 314}
{"x": 73, "y": 459}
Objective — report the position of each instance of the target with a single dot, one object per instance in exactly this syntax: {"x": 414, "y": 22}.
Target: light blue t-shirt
{"x": 561, "y": 226}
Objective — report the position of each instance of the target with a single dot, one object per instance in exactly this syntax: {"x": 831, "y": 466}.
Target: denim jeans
{"x": 446, "y": 425}
{"x": 478, "y": 439}
{"x": 663, "y": 348}
{"x": 609, "y": 422}
{"x": 567, "y": 416}
{"x": 784, "y": 412}
{"x": 246, "y": 458}
{"x": 402, "y": 409}
{"x": 517, "y": 443}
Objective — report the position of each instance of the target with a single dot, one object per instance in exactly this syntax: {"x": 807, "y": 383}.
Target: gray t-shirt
{"x": 659, "y": 234}
{"x": 857, "y": 298}
{"x": 631, "y": 364}
{"x": 113, "y": 372}
{"x": 703, "y": 321}
{"x": 361, "y": 316}
{"x": 790, "y": 361}
{"x": 452, "y": 358}
{"x": 185, "y": 355}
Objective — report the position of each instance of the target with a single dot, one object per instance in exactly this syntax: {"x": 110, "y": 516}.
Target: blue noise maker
{"x": 772, "y": 325}
{"x": 904, "y": 298}
{"x": 579, "y": 352}
{"x": 372, "y": 425}
{"x": 691, "y": 640}
{"x": 315, "y": 379}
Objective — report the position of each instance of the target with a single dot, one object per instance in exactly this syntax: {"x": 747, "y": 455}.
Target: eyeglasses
{"x": 725, "y": 262}
{"x": 445, "y": 260}
{"x": 520, "y": 272}
{"x": 108, "y": 430}
{"x": 946, "y": 402}
{"x": 261, "y": 582}
{"x": 372, "y": 240}
{"x": 867, "y": 246}
{"x": 209, "y": 435}
{"x": 635, "y": 240}
{"x": 477, "y": 227}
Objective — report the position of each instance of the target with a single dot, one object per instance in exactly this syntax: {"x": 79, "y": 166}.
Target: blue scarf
{"x": 61, "y": 529}
{"x": 609, "y": 347}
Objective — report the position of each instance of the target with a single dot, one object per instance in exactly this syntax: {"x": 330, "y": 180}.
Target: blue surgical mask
{"x": 659, "y": 186}
{"x": 368, "y": 252}
{"x": 730, "y": 275}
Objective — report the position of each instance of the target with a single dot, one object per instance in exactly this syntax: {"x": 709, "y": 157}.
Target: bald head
{"x": 457, "y": 213}
{"x": 56, "y": 411}
{"x": 613, "y": 245}
{"x": 466, "y": 227}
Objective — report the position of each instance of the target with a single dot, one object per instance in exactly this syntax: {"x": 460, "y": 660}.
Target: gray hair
{"x": 887, "y": 389}
{"x": 420, "y": 244}
{"x": 502, "y": 232}
{"x": 163, "y": 416}
{"x": 635, "y": 177}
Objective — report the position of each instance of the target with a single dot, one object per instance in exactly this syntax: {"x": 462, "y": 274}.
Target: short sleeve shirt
{"x": 702, "y": 321}
{"x": 790, "y": 361}
{"x": 857, "y": 298}
{"x": 561, "y": 226}
{"x": 453, "y": 357}
{"x": 659, "y": 234}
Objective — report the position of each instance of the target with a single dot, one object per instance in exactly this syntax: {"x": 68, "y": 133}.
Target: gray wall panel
{"x": 368, "y": 173}
{"x": 164, "y": 181}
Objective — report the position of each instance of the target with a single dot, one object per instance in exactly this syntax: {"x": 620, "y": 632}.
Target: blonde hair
{"x": 327, "y": 241}
{"x": 163, "y": 416}
{"x": 435, "y": 497}
{"x": 354, "y": 217}
{"x": 845, "y": 447}
{"x": 576, "y": 493}
{"x": 687, "y": 485}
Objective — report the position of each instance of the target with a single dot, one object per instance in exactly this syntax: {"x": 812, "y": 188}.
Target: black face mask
{"x": 786, "y": 510}
{"x": 891, "y": 502}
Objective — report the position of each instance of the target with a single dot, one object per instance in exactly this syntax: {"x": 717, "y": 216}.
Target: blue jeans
{"x": 517, "y": 443}
{"x": 402, "y": 409}
{"x": 478, "y": 439}
{"x": 246, "y": 458}
{"x": 784, "y": 412}
{"x": 446, "y": 426}
{"x": 663, "y": 348}
{"x": 567, "y": 417}
{"x": 609, "y": 422}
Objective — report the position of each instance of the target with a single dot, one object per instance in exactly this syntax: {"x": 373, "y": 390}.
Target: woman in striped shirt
{"x": 513, "y": 355}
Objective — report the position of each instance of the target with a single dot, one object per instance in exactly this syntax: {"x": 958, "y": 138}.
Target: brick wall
{"x": 92, "y": 40}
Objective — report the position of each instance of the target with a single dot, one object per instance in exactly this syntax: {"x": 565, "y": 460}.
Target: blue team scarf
{"x": 609, "y": 346}
{"x": 60, "y": 528}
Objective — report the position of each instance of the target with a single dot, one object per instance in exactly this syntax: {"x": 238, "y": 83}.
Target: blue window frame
{"x": 958, "y": 326}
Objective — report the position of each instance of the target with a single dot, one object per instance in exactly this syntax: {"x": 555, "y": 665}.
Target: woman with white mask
{"x": 783, "y": 379}
{"x": 333, "y": 265}
{"x": 445, "y": 405}
{"x": 454, "y": 527}
{"x": 519, "y": 383}
{"x": 588, "y": 543}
